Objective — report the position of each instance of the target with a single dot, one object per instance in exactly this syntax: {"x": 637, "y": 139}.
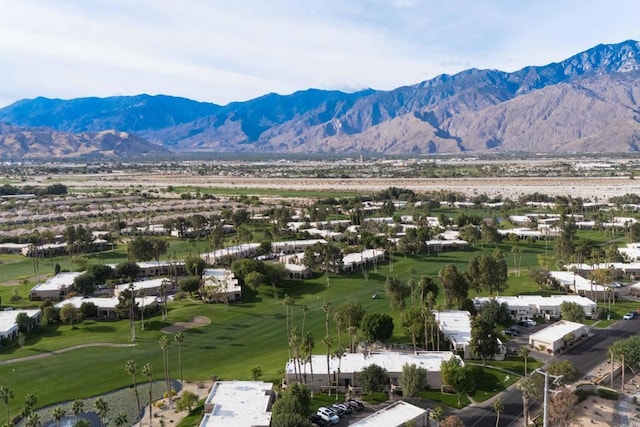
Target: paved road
{"x": 586, "y": 356}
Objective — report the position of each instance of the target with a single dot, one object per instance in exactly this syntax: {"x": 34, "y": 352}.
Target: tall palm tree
{"x": 130, "y": 368}
{"x": 289, "y": 302}
{"x": 326, "y": 307}
{"x": 77, "y": 407}
{"x": 121, "y": 419}
{"x": 528, "y": 388}
{"x": 5, "y": 395}
{"x": 58, "y": 414}
{"x": 307, "y": 348}
{"x": 164, "y": 345}
{"x": 179, "y": 339}
{"x": 147, "y": 370}
{"x": 524, "y": 353}
{"x": 498, "y": 406}
{"x": 102, "y": 409}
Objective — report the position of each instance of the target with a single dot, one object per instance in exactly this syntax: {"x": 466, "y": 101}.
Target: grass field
{"x": 239, "y": 337}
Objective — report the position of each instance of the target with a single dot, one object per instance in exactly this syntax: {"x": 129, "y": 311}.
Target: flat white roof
{"x": 238, "y": 404}
{"x": 455, "y": 324}
{"x": 104, "y": 302}
{"x": 569, "y": 278}
{"x": 231, "y": 250}
{"x": 537, "y": 300}
{"x": 143, "y": 284}
{"x": 395, "y": 414}
{"x": 8, "y": 319}
{"x": 306, "y": 242}
{"x": 556, "y": 331}
{"x": 365, "y": 255}
{"x": 389, "y": 360}
{"x": 57, "y": 282}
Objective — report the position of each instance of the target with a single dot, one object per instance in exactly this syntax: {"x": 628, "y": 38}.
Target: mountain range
{"x": 586, "y": 103}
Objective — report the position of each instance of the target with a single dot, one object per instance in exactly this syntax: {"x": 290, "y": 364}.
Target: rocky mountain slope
{"x": 587, "y": 103}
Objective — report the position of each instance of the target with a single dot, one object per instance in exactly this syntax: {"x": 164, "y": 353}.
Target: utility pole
{"x": 545, "y": 421}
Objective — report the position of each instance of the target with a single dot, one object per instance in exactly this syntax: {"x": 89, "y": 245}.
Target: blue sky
{"x": 221, "y": 51}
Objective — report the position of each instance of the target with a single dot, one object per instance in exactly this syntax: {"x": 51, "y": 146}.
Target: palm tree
{"x": 498, "y": 406}
{"x": 130, "y": 368}
{"x": 102, "y": 409}
{"x": 76, "y": 407}
{"x": 528, "y": 388}
{"x": 121, "y": 419}
{"x": 289, "y": 302}
{"x": 307, "y": 348}
{"x": 179, "y": 339}
{"x": 147, "y": 370}
{"x": 326, "y": 306}
{"x": 164, "y": 345}
{"x": 338, "y": 353}
{"x": 524, "y": 353}
{"x": 438, "y": 413}
{"x": 5, "y": 396}
{"x": 58, "y": 414}
{"x": 33, "y": 420}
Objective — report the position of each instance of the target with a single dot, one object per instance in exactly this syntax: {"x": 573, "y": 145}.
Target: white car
{"x": 630, "y": 315}
{"x": 328, "y": 415}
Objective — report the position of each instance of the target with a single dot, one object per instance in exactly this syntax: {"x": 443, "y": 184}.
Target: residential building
{"x": 54, "y": 288}
{"x": 523, "y": 307}
{"x": 8, "y": 325}
{"x": 239, "y": 404}
{"x": 344, "y": 370}
{"x": 221, "y": 285}
{"x": 227, "y": 255}
{"x": 557, "y": 336}
{"x": 151, "y": 287}
{"x": 106, "y": 306}
{"x": 455, "y": 325}
{"x": 398, "y": 414}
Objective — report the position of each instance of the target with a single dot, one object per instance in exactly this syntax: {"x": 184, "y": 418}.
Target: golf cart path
{"x": 62, "y": 350}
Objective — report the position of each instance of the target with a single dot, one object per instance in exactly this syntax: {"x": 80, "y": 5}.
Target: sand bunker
{"x": 181, "y": 326}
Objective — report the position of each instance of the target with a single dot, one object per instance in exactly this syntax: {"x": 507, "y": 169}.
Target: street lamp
{"x": 556, "y": 378}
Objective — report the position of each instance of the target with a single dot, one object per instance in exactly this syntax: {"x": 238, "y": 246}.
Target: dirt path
{"x": 62, "y": 350}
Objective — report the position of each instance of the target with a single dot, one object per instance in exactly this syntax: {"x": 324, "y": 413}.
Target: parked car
{"x": 515, "y": 329}
{"x": 318, "y": 420}
{"x": 527, "y": 322}
{"x": 359, "y": 404}
{"x": 337, "y": 409}
{"x": 630, "y": 315}
{"x": 328, "y": 415}
{"x": 354, "y": 405}
{"x": 509, "y": 332}
{"x": 346, "y": 408}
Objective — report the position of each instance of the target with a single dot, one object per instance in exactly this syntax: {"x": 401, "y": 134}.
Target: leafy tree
{"x": 69, "y": 313}
{"x": 296, "y": 399}
{"x": 254, "y": 279}
{"x": 572, "y": 311}
{"x": 131, "y": 368}
{"x": 470, "y": 233}
{"x": 373, "y": 378}
{"x": 275, "y": 273}
{"x": 539, "y": 275}
{"x": 88, "y": 310}
{"x": 484, "y": 339}
{"x": 141, "y": 249}
{"x": 456, "y": 287}
{"x": 187, "y": 401}
{"x": 195, "y": 266}
{"x": 413, "y": 380}
{"x": 495, "y": 313}
{"x": 397, "y": 292}
{"x": 24, "y": 322}
{"x": 351, "y": 313}
{"x": 100, "y": 272}
{"x": 377, "y": 326}
{"x": 189, "y": 284}
{"x": 489, "y": 233}
{"x": 289, "y": 419}
{"x": 127, "y": 270}
{"x": 566, "y": 368}
{"x": 85, "y": 284}
{"x": 457, "y": 376}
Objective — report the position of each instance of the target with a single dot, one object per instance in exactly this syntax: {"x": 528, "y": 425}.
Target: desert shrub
{"x": 582, "y": 394}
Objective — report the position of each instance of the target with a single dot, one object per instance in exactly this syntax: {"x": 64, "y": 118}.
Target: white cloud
{"x": 222, "y": 51}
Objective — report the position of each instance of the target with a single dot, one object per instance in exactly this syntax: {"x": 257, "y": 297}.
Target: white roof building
{"x": 557, "y": 336}
{"x": 398, "y": 414}
{"x": 355, "y": 260}
{"x": 455, "y": 325}
{"x": 150, "y": 287}
{"x": 238, "y": 404}
{"x": 106, "y": 305}
{"x": 527, "y": 306}
{"x": 8, "y": 325}
{"x": 223, "y": 282}
{"x": 55, "y": 287}
{"x": 577, "y": 284}
{"x": 231, "y": 253}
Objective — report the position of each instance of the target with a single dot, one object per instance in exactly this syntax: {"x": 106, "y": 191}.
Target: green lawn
{"x": 490, "y": 382}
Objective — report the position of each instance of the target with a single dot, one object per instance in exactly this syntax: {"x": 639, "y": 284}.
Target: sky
{"x": 222, "y": 51}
